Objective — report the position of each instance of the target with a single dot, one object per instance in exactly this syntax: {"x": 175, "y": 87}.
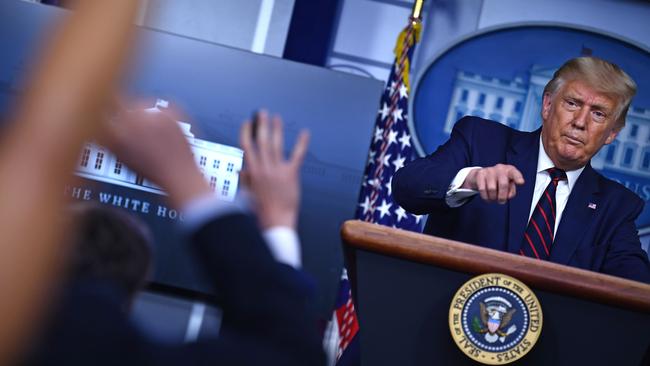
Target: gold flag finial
{"x": 416, "y": 15}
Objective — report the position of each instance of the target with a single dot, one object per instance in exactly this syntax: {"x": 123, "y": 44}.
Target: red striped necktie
{"x": 539, "y": 235}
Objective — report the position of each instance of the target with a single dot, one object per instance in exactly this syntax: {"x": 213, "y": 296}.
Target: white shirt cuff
{"x": 457, "y": 196}
{"x": 284, "y": 245}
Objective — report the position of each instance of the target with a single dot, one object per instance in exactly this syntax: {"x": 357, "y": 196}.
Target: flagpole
{"x": 416, "y": 14}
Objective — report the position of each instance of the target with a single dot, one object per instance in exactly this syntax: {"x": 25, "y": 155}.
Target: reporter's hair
{"x": 602, "y": 75}
{"x": 110, "y": 245}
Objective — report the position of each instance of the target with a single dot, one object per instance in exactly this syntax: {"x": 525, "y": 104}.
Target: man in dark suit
{"x": 539, "y": 195}
{"x": 267, "y": 316}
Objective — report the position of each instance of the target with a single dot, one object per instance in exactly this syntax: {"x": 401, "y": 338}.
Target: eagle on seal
{"x": 495, "y": 321}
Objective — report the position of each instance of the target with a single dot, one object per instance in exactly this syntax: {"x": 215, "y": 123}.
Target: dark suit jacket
{"x": 267, "y": 317}
{"x": 604, "y": 239}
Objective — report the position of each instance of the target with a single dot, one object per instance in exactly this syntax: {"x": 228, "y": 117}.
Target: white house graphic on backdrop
{"x": 517, "y": 103}
{"x": 220, "y": 165}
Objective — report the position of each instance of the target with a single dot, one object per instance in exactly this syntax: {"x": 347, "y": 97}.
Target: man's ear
{"x": 546, "y": 106}
{"x": 612, "y": 135}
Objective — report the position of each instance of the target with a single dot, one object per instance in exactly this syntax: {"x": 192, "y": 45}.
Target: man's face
{"x": 578, "y": 121}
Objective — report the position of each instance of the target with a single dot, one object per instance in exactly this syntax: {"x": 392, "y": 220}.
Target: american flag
{"x": 344, "y": 327}
{"x": 390, "y": 149}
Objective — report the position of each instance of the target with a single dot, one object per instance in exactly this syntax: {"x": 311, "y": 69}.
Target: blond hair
{"x": 602, "y": 75}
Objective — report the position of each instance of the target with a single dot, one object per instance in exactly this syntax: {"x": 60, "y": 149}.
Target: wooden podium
{"x": 404, "y": 283}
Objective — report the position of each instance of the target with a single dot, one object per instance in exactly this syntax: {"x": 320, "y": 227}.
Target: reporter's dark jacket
{"x": 267, "y": 317}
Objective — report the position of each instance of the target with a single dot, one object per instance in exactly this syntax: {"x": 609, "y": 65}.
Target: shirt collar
{"x": 544, "y": 162}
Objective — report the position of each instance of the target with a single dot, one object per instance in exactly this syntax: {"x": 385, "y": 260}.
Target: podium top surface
{"x": 473, "y": 259}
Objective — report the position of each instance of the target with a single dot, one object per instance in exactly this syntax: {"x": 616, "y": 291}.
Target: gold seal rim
{"x": 491, "y": 358}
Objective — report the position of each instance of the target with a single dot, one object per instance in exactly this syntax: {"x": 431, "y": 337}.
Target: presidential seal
{"x": 495, "y": 319}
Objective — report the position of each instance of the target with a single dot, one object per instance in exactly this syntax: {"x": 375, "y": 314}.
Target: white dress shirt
{"x": 457, "y": 196}
{"x": 283, "y": 242}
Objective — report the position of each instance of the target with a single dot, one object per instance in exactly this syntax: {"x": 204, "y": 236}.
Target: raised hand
{"x": 149, "y": 141}
{"x": 273, "y": 181}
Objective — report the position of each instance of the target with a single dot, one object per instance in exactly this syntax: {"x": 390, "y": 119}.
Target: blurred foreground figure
{"x": 72, "y": 84}
{"x": 266, "y": 299}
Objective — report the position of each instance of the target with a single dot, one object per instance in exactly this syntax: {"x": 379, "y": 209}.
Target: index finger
{"x": 277, "y": 139}
{"x": 300, "y": 149}
{"x": 515, "y": 175}
{"x": 246, "y": 142}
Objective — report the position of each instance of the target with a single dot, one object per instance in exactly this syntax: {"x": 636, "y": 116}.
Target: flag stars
{"x": 392, "y": 137}
{"x": 384, "y": 209}
{"x": 386, "y": 161}
{"x": 379, "y": 134}
{"x": 397, "y": 114}
{"x": 399, "y": 162}
{"x": 371, "y": 155}
{"x": 385, "y": 111}
{"x": 401, "y": 213}
{"x": 403, "y": 91}
{"x": 405, "y": 140}
{"x": 365, "y": 205}
{"x": 393, "y": 86}
{"x": 373, "y": 182}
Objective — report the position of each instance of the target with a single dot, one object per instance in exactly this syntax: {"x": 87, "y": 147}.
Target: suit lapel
{"x": 523, "y": 155}
{"x": 576, "y": 216}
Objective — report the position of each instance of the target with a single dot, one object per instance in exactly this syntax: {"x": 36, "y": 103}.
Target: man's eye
{"x": 571, "y": 103}
{"x": 599, "y": 115}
